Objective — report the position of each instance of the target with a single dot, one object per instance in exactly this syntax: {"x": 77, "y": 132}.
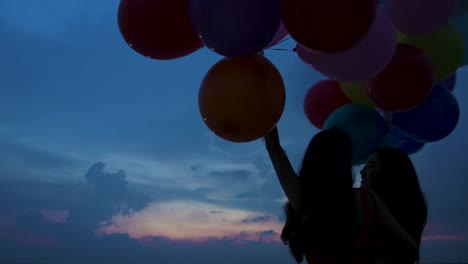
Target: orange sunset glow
{"x": 197, "y": 222}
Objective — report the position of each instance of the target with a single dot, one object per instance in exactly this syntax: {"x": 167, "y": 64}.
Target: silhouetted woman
{"x": 390, "y": 173}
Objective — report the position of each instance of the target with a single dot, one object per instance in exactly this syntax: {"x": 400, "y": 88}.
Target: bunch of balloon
{"x": 379, "y": 59}
{"x": 242, "y": 96}
{"x": 396, "y": 59}
{"x": 426, "y": 26}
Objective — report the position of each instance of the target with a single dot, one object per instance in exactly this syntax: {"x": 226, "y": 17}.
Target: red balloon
{"x": 322, "y": 99}
{"x": 405, "y": 83}
{"x": 158, "y": 29}
{"x": 328, "y": 25}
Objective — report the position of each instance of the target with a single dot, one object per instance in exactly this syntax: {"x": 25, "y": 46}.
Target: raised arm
{"x": 284, "y": 171}
{"x": 391, "y": 225}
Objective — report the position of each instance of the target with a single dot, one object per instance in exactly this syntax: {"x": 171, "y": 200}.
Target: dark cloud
{"x": 111, "y": 196}
{"x": 21, "y": 160}
{"x": 115, "y": 183}
{"x": 257, "y": 219}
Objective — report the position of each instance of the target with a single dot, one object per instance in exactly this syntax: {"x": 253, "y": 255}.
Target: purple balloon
{"x": 450, "y": 82}
{"x": 417, "y": 17}
{"x": 361, "y": 62}
{"x": 235, "y": 27}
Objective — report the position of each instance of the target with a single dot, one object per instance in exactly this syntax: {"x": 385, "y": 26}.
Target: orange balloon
{"x": 242, "y": 98}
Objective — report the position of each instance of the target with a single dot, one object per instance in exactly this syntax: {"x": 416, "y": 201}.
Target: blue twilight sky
{"x": 105, "y": 158}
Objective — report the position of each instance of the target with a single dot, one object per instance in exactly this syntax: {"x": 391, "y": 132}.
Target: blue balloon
{"x": 461, "y": 24}
{"x": 365, "y": 127}
{"x": 395, "y": 138}
{"x": 433, "y": 120}
{"x": 235, "y": 27}
{"x": 450, "y": 82}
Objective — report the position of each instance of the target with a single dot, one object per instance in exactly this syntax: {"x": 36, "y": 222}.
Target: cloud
{"x": 22, "y": 161}
{"x": 216, "y": 177}
{"x": 193, "y": 221}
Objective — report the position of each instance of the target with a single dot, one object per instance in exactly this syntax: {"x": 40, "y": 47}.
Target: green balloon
{"x": 444, "y": 47}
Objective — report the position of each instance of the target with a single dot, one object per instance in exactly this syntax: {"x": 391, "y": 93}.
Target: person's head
{"x": 327, "y": 161}
{"x": 390, "y": 173}
{"x": 390, "y": 168}
{"x": 371, "y": 170}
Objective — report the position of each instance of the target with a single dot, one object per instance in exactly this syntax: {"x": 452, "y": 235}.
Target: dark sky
{"x": 105, "y": 158}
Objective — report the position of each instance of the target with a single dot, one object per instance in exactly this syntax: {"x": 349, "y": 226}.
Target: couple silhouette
{"x": 329, "y": 221}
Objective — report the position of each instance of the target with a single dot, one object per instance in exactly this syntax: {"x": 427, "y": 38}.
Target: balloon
{"x": 444, "y": 48}
{"x": 242, "y": 98}
{"x": 433, "y": 120}
{"x": 280, "y": 35}
{"x": 365, "y": 126}
{"x": 461, "y": 8}
{"x": 356, "y": 92}
{"x": 395, "y": 138}
{"x": 328, "y": 26}
{"x": 405, "y": 83}
{"x": 322, "y": 99}
{"x": 461, "y": 24}
{"x": 419, "y": 16}
{"x": 450, "y": 82}
{"x": 158, "y": 29}
{"x": 236, "y": 27}
{"x": 360, "y": 62}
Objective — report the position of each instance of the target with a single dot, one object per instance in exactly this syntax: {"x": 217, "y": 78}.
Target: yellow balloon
{"x": 356, "y": 92}
{"x": 444, "y": 47}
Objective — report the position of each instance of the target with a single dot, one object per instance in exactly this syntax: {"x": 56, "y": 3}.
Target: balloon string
{"x": 285, "y": 49}
{"x": 293, "y": 50}
{"x": 286, "y": 39}
{"x": 281, "y": 49}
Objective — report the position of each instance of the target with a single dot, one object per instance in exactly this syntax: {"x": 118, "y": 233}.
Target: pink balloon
{"x": 361, "y": 62}
{"x": 280, "y": 35}
{"x": 419, "y": 17}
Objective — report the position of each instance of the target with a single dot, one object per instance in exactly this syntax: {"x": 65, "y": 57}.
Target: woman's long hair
{"x": 328, "y": 219}
{"x": 398, "y": 187}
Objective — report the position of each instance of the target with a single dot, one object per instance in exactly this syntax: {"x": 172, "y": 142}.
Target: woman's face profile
{"x": 371, "y": 170}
